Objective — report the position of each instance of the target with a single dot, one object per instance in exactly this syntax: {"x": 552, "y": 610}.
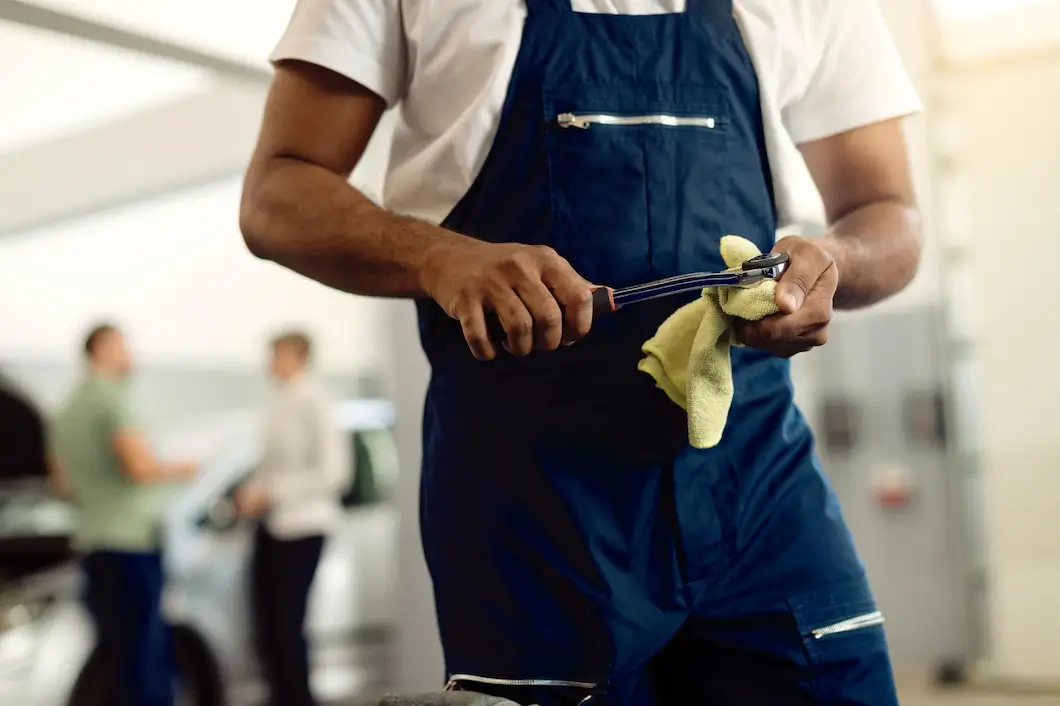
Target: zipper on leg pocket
{"x": 860, "y": 622}
{"x": 584, "y": 120}
{"x": 456, "y": 680}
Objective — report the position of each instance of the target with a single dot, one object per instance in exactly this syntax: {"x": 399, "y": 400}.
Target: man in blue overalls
{"x": 579, "y": 547}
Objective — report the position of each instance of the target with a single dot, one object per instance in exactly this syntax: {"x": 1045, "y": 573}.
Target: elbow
{"x": 914, "y": 245}
{"x": 254, "y": 222}
{"x": 257, "y": 213}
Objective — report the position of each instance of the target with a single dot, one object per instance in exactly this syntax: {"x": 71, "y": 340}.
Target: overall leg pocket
{"x": 843, "y": 636}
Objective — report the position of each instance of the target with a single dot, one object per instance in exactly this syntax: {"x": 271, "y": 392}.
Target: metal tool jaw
{"x": 753, "y": 271}
{"x": 767, "y": 266}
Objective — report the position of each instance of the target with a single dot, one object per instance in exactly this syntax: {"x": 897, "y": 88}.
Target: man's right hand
{"x": 540, "y": 300}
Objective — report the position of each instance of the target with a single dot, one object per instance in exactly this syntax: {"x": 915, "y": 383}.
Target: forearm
{"x": 57, "y": 478}
{"x": 164, "y": 473}
{"x": 877, "y": 250}
{"x": 312, "y": 221}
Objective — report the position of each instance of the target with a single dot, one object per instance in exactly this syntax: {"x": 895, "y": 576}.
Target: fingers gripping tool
{"x": 608, "y": 300}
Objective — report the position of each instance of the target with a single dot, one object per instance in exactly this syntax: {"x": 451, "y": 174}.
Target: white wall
{"x": 1010, "y": 164}
{"x": 910, "y": 23}
{"x": 175, "y": 273}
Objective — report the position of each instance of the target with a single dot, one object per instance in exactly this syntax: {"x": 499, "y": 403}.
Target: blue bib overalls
{"x": 572, "y": 533}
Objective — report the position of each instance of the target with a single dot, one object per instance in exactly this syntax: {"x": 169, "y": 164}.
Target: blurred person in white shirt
{"x": 295, "y": 494}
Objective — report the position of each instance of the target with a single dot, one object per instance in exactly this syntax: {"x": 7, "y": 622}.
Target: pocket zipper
{"x": 584, "y": 120}
{"x": 457, "y": 678}
{"x": 860, "y": 622}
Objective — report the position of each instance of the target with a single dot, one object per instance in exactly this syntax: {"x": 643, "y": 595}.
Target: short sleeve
{"x": 363, "y": 40}
{"x": 118, "y": 412}
{"x": 859, "y": 78}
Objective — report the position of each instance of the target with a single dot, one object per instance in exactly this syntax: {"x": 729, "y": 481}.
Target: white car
{"x": 351, "y": 609}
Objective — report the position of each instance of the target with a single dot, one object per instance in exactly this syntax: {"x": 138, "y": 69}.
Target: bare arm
{"x": 300, "y": 211}
{"x": 140, "y": 464}
{"x": 875, "y": 236}
{"x": 871, "y": 251}
{"x": 57, "y": 478}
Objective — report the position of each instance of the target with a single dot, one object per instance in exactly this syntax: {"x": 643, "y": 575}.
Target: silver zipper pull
{"x": 572, "y": 120}
{"x": 858, "y": 623}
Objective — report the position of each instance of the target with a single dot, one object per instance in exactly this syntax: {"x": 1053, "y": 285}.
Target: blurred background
{"x": 124, "y": 128}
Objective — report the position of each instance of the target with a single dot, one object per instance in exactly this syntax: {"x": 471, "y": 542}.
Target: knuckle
{"x": 520, "y": 325}
{"x": 466, "y": 295}
{"x": 764, "y": 333}
{"x": 545, "y": 253}
{"x": 524, "y": 261}
{"x": 551, "y": 318}
{"x": 572, "y": 296}
{"x": 800, "y": 280}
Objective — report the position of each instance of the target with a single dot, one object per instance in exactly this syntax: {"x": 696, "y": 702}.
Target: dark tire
{"x": 93, "y": 686}
{"x": 200, "y": 682}
{"x": 200, "y": 678}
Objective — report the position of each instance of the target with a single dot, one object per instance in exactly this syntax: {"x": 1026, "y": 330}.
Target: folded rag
{"x": 689, "y": 354}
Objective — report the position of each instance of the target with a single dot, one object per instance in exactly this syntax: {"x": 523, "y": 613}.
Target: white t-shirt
{"x": 306, "y": 465}
{"x": 824, "y": 67}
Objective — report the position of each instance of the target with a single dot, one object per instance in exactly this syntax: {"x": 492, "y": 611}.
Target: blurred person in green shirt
{"x": 120, "y": 490}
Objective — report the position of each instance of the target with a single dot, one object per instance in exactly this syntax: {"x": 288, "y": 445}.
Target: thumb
{"x": 792, "y": 289}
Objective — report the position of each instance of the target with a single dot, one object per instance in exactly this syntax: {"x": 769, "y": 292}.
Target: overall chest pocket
{"x": 637, "y": 178}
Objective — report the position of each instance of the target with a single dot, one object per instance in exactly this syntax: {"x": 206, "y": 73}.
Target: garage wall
{"x": 1007, "y": 168}
{"x": 174, "y": 271}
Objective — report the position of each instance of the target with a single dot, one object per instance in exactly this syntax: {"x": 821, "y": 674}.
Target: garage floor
{"x": 974, "y": 699}
{"x": 922, "y": 698}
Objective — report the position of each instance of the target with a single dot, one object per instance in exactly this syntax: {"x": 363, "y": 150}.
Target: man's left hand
{"x": 804, "y": 296}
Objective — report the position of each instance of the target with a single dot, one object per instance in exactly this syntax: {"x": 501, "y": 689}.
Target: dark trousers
{"x": 281, "y": 574}
{"x": 133, "y": 642}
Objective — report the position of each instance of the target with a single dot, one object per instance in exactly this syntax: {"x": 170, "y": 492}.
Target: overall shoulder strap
{"x": 553, "y": 5}
{"x": 710, "y": 10}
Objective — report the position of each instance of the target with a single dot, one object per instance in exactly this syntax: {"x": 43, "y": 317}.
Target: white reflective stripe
{"x": 858, "y": 623}
{"x": 629, "y": 7}
{"x": 584, "y": 120}
{"x": 457, "y": 678}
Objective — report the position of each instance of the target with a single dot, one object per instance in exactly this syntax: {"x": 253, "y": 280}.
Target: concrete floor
{"x": 959, "y": 698}
{"x": 918, "y": 697}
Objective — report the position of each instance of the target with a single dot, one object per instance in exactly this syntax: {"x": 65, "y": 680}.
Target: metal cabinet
{"x": 876, "y": 396}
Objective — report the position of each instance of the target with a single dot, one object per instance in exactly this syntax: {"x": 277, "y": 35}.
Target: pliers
{"x": 608, "y": 300}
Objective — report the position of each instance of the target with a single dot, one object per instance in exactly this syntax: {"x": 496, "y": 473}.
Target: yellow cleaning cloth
{"x": 689, "y": 354}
